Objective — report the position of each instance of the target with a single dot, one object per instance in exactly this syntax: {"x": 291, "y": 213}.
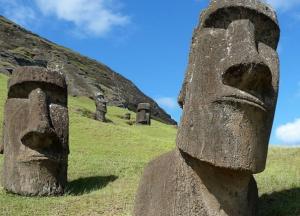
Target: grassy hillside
{"x": 85, "y": 76}
{"x": 106, "y": 162}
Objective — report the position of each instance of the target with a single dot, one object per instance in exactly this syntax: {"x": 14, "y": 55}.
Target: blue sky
{"x": 148, "y": 42}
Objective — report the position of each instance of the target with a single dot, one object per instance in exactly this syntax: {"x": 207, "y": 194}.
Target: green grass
{"x": 107, "y": 159}
{"x": 279, "y": 184}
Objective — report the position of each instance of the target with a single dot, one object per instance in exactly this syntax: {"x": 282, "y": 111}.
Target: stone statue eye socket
{"x": 266, "y": 30}
{"x": 57, "y": 99}
{"x": 55, "y": 94}
{"x": 268, "y": 37}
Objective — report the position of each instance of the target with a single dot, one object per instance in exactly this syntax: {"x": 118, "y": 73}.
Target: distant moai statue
{"x": 101, "y": 108}
{"x": 228, "y": 97}
{"x": 143, "y": 115}
{"x": 35, "y": 133}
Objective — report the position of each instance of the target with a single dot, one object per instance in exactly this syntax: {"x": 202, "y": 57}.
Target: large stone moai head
{"x": 231, "y": 86}
{"x": 143, "y": 115}
{"x": 101, "y": 108}
{"x": 36, "y": 133}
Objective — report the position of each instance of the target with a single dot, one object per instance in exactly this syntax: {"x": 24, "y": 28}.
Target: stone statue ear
{"x": 181, "y": 96}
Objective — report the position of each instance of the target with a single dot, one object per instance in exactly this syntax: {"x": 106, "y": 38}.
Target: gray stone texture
{"x": 143, "y": 115}
{"x": 228, "y": 97}
{"x": 35, "y": 133}
{"x": 176, "y": 184}
{"x": 101, "y": 108}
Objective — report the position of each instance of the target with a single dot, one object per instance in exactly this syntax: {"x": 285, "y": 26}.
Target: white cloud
{"x": 87, "y": 17}
{"x": 289, "y": 133}
{"x": 90, "y": 17}
{"x": 18, "y": 12}
{"x": 284, "y": 4}
{"x": 167, "y": 102}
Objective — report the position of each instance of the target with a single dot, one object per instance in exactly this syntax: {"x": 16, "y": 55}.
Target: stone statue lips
{"x": 244, "y": 98}
{"x": 248, "y": 83}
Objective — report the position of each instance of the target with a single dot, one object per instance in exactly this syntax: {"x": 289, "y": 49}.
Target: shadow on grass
{"x": 86, "y": 185}
{"x": 282, "y": 203}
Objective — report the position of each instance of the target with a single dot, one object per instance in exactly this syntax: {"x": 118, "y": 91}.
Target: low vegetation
{"x": 107, "y": 159}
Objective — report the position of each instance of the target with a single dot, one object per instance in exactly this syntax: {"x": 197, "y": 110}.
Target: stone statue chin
{"x": 228, "y": 97}
{"x": 35, "y": 133}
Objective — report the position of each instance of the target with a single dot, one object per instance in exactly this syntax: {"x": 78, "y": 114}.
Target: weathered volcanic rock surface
{"x": 85, "y": 77}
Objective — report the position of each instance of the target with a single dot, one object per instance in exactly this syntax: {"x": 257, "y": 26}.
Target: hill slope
{"x": 19, "y": 47}
{"x": 106, "y": 162}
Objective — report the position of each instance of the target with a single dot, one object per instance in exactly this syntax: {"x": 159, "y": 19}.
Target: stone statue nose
{"x": 243, "y": 59}
{"x": 242, "y": 43}
{"x": 39, "y": 133}
{"x": 244, "y": 68}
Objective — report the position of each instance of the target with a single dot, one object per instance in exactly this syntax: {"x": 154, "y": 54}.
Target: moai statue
{"x": 143, "y": 115}
{"x": 101, "y": 109}
{"x": 36, "y": 130}
{"x": 228, "y": 98}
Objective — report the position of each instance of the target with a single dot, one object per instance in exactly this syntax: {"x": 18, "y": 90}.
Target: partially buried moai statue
{"x": 143, "y": 115}
{"x": 101, "y": 108}
{"x": 228, "y": 98}
{"x": 36, "y": 133}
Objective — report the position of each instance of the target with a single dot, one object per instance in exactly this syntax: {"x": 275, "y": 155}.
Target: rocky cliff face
{"x": 85, "y": 77}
